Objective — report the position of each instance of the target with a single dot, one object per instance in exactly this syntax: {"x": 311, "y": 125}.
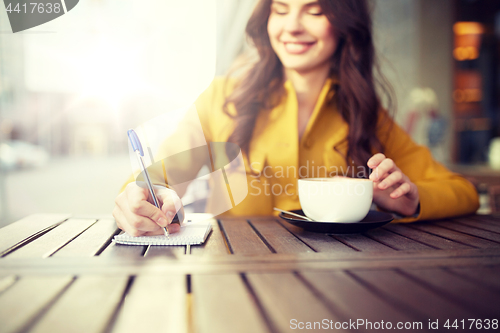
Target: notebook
{"x": 194, "y": 231}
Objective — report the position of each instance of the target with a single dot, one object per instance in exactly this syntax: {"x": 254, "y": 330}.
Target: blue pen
{"x": 137, "y": 148}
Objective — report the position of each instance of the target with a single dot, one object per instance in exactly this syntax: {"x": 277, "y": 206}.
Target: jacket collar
{"x": 275, "y": 138}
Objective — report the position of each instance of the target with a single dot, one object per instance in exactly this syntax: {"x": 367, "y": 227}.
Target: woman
{"x": 310, "y": 101}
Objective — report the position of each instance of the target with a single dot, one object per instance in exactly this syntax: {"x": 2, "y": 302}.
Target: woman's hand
{"x": 392, "y": 189}
{"x": 136, "y": 216}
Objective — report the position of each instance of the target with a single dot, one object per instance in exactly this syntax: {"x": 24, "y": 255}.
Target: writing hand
{"x": 135, "y": 215}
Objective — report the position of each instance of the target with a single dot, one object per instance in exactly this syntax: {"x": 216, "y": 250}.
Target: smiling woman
{"x": 306, "y": 42}
{"x": 311, "y": 102}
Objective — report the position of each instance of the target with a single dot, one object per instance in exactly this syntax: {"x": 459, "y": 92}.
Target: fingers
{"x": 391, "y": 180}
{"x": 138, "y": 217}
{"x": 173, "y": 228}
{"x": 375, "y": 160}
{"x": 400, "y": 191}
{"x": 134, "y": 225}
{"x": 143, "y": 211}
{"x": 391, "y": 183}
{"x": 135, "y": 215}
{"x": 155, "y": 233}
{"x": 171, "y": 204}
{"x": 140, "y": 207}
{"x": 386, "y": 175}
{"x": 383, "y": 168}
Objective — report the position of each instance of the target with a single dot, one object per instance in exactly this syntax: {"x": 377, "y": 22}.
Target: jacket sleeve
{"x": 442, "y": 193}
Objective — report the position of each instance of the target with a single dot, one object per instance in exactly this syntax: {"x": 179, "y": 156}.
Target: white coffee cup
{"x": 337, "y": 199}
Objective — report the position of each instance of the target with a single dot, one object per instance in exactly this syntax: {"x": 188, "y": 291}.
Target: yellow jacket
{"x": 278, "y": 159}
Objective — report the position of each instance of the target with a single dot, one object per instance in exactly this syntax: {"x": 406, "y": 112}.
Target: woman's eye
{"x": 315, "y": 10}
{"x": 316, "y": 13}
{"x": 279, "y": 12}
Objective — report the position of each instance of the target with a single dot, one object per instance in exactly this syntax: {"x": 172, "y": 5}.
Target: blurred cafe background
{"x": 70, "y": 88}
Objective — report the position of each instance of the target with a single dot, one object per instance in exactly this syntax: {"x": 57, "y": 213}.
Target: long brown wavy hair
{"x": 353, "y": 63}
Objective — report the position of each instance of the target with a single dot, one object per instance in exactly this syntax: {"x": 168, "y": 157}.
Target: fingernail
{"x": 170, "y": 216}
{"x": 382, "y": 185}
{"x": 162, "y": 222}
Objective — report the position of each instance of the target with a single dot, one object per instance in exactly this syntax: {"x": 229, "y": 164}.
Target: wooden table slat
{"x": 154, "y": 304}
{"x": 86, "y": 306}
{"x": 363, "y": 243}
{"x": 280, "y": 239}
{"x": 241, "y": 237}
{"x": 455, "y": 235}
{"x": 22, "y": 303}
{"x": 173, "y": 251}
{"x": 396, "y": 241}
{"x": 124, "y": 251}
{"x": 18, "y": 231}
{"x": 474, "y": 297}
{"x": 284, "y": 298}
{"x": 216, "y": 301}
{"x": 90, "y": 241}
{"x": 214, "y": 245}
{"x": 353, "y": 300}
{"x": 6, "y": 282}
{"x": 492, "y": 236}
{"x": 408, "y": 294}
{"x": 317, "y": 241}
{"x": 426, "y": 238}
{"x": 489, "y": 276}
{"x": 53, "y": 240}
{"x": 480, "y": 224}
{"x": 489, "y": 220}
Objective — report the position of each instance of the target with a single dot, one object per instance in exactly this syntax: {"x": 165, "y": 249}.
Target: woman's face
{"x": 301, "y": 35}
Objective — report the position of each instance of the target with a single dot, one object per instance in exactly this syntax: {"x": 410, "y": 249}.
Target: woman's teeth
{"x": 297, "y": 47}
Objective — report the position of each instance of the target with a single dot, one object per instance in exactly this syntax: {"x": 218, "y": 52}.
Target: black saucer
{"x": 373, "y": 220}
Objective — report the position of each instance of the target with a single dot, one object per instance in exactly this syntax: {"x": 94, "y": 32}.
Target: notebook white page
{"x": 194, "y": 231}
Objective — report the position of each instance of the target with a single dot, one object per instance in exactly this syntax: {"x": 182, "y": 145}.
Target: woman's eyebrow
{"x": 312, "y": 4}
{"x": 307, "y": 5}
{"x": 279, "y": 3}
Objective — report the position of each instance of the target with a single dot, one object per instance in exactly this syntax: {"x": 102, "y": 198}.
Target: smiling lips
{"x": 298, "y": 47}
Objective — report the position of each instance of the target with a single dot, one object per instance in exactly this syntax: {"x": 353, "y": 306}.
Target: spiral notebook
{"x": 194, "y": 231}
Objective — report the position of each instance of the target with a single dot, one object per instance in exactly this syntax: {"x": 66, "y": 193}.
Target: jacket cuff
{"x": 407, "y": 219}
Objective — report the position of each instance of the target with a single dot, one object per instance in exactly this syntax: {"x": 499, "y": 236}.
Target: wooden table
{"x": 257, "y": 274}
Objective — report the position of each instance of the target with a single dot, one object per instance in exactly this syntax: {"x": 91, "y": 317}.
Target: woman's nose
{"x": 293, "y": 23}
